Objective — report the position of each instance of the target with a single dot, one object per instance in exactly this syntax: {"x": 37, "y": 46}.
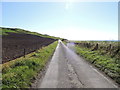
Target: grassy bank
{"x": 109, "y": 48}
{"x": 6, "y": 31}
{"x": 109, "y": 65}
{"x": 19, "y": 73}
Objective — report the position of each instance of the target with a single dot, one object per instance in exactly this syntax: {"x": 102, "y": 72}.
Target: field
{"x": 18, "y": 42}
{"x": 21, "y": 72}
{"x": 105, "y": 55}
{"x": 24, "y": 55}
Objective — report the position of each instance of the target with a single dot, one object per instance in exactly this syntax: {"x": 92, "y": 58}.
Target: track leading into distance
{"x": 68, "y": 70}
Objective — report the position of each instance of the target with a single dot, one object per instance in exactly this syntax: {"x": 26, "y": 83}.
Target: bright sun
{"x": 68, "y": 4}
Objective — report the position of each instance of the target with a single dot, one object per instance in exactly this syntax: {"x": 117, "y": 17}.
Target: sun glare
{"x": 68, "y": 4}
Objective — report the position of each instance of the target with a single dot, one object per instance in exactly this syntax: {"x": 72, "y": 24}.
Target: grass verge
{"x": 103, "y": 62}
{"x": 20, "y": 72}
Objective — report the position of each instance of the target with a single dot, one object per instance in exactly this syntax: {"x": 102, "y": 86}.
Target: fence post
{"x": 24, "y": 52}
{"x": 96, "y": 47}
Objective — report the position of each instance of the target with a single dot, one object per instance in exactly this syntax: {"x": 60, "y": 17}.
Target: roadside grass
{"x": 103, "y": 62}
{"x": 64, "y": 42}
{"x": 20, "y": 72}
{"x": 109, "y": 48}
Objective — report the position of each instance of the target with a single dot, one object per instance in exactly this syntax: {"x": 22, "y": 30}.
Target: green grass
{"x": 109, "y": 48}
{"x": 6, "y": 31}
{"x": 103, "y": 62}
{"x": 19, "y": 73}
{"x": 64, "y": 42}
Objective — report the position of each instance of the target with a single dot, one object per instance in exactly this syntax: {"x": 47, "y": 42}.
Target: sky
{"x": 70, "y": 20}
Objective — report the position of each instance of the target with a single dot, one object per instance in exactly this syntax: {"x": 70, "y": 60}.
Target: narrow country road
{"x": 68, "y": 70}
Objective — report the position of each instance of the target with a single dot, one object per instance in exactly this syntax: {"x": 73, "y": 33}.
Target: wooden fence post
{"x": 24, "y": 52}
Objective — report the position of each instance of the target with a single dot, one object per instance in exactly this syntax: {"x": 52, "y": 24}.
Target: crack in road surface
{"x": 68, "y": 70}
{"x": 75, "y": 82}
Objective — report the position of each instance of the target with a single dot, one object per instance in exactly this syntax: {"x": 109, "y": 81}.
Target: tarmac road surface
{"x": 68, "y": 70}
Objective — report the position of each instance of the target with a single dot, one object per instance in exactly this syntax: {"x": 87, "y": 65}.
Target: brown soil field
{"x": 16, "y": 45}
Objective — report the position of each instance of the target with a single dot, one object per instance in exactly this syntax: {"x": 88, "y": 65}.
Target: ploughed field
{"x": 15, "y": 45}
